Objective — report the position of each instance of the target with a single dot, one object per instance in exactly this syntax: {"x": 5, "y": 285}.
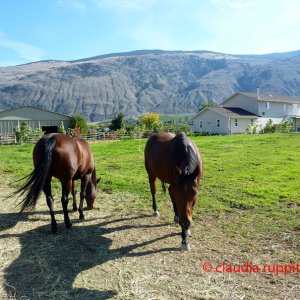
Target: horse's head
{"x": 185, "y": 194}
{"x": 91, "y": 190}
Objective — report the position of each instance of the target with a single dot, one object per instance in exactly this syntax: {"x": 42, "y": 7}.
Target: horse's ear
{"x": 98, "y": 180}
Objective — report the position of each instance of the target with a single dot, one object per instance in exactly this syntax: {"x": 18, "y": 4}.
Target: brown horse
{"x": 175, "y": 160}
{"x": 67, "y": 159}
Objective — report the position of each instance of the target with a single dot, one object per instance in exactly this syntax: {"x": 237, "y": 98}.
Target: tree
{"x": 117, "y": 122}
{"x": 210, "y": 103}
{"x": 151, "y": 121}
{"x": 78, "y": 121}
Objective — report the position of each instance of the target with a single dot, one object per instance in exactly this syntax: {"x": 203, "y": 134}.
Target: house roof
{"x": 269, "y": 97}
{"x": 230, "y": 112}
{"x": 14, "y": 118}
{"x": 233, "y": 112}
{"x": 34, "y": 108}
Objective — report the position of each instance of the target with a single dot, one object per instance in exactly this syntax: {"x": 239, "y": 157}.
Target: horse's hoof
{"x": 81, "y": 217}
{"x": 156, "y": 213}
{"x": 189, "y": 232}
{"x": 185, "y": 247}
{"x": 176, "y": 219}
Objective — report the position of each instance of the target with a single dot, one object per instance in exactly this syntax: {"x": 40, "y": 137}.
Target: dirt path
{"x": 115, "y": 254}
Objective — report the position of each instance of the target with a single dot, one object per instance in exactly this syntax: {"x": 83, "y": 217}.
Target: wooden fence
{"x": 7, "y": 139}
{"x": 99, "y": 136}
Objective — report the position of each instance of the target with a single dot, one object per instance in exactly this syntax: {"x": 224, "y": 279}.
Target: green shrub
{"x": 251, "y": 128}
{"x": 269, "y": 127}
{"x": 78, "y": 121}
{"x": 61, "y": 128}
{"x": 25, "y": 133}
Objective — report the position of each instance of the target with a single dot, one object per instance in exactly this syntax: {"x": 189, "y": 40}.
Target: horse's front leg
{"x": 185, "y": 233}
{"x": 84, "y": 182}
{"x": 153, "y": 192}
{"x": 66, "y": 188}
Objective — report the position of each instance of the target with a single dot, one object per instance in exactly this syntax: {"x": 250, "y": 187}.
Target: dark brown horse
{"x": 175, "y": 160}
{"x": 67, "y": 159}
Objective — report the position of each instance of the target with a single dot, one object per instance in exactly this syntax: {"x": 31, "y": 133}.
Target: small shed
{"x": 35, "y": 117}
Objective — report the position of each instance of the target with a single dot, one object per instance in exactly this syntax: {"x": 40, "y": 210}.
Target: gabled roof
{"x": 230, "y": 112}
{"x": 14, "y": 118}
{"x": 35, "y": 108}
{"x": 267, "y": 97}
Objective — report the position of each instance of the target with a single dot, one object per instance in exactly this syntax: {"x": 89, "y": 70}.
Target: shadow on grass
{"x": 49, "y": 264}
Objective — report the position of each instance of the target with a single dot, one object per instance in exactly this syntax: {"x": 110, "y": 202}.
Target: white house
{"x": 241, "y": 109}
{"x": 222, "y": 120}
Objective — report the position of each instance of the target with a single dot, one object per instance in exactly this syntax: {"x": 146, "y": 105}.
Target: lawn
{"x": 248, "y": 211}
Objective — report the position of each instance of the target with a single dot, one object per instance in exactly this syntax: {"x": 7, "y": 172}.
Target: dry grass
{"x": 120, "y": 254}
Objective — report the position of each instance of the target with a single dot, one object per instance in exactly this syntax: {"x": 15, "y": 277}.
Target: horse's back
{"x": 70, "y": 156}
{"x": 157, "y": 141}
{"x": 156, "y": 154}
{"x": 163, "y": 154}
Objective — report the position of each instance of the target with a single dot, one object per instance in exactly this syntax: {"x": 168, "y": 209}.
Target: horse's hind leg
{"x": 74, "y": 192}
{"x": 50, "y": 203}
{"x": 153, "y": 192}
{"x": 84, "y": 182}
{"x": 66, "y": 188}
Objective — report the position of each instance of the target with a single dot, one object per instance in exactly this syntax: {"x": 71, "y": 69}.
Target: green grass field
{"x": 241, "y": 172}
{"x": 248, "y": 209}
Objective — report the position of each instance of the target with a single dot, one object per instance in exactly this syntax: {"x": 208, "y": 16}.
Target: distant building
{"x": 36, "y": 118}
{"x": 242, "y": 109}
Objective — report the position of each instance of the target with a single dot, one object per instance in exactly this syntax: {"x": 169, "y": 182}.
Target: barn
{"x": 35, "y": 117}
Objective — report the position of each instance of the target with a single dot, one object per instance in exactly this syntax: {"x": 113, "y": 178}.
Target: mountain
{"x": 144, "y": 81}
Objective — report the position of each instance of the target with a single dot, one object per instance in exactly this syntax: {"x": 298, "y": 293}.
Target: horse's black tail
{"x": 37, "y": 178}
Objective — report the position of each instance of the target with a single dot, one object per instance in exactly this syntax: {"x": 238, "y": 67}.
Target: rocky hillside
{"x": 144, "y": 81}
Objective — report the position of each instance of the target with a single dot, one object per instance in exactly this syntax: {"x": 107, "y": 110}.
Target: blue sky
{"x": 33, "y": 30}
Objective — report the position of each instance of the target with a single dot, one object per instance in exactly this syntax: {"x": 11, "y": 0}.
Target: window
{"x": 251, "y": 121}
{"x": 200, "y": 124}
{"x": 218, "y": 123}
{"x": 236, "y": 122}
{"x": 268, "y": 105}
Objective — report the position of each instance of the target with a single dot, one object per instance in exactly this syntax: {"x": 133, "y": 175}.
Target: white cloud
{"x": 26, "y": 51}
{"x": 253, "y": 26}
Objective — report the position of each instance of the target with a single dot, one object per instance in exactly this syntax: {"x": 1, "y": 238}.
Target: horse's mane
{"x": 185, "y": 157}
